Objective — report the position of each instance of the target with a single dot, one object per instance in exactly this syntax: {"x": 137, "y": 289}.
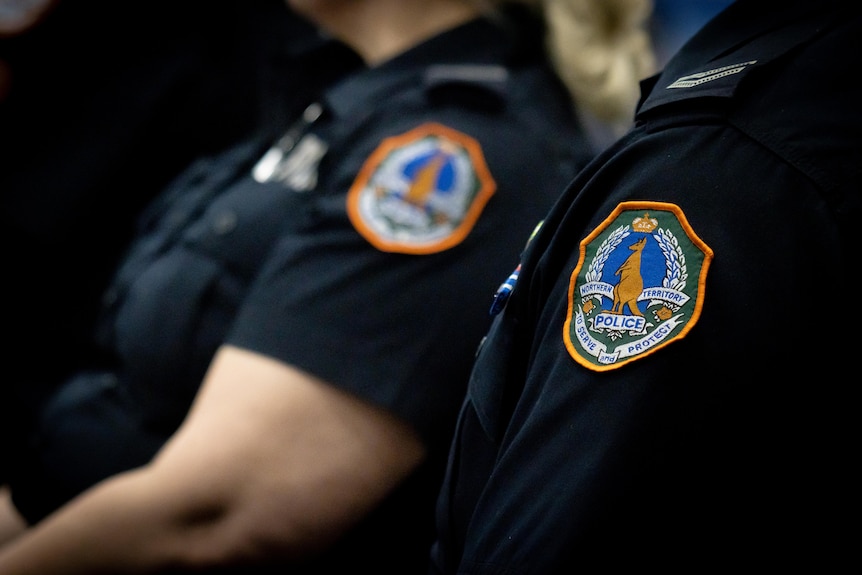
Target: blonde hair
{"x": 601, "y": 49}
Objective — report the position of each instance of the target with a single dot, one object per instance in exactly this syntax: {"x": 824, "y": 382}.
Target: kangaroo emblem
{"x": 631, "y": 282}
{"x": 663, "y": 271}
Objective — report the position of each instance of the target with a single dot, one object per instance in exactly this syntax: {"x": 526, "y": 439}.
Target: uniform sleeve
{"x": 584, "y": 443}
{"x": 385, "y": 292}
{"x": 715, "y": 430}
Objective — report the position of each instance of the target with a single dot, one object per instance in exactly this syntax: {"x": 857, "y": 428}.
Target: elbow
{"x": 236, "y": 536}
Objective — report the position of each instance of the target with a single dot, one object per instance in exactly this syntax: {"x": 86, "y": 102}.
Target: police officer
{"x": 666, "y": 385}
{"x": 91, "y": 131}
{"x": 329, "y": 289}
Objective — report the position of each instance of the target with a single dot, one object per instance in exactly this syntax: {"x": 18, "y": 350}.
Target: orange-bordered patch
{"x": 422, "y": 191}
{"x": 638, "y": 285}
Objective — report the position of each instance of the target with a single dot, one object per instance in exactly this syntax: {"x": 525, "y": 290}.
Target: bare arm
{"x": 270, "y": 461}
{"x": 11, "y": 522}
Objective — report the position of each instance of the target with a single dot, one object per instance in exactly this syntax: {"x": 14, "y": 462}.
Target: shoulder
{"x": 485, "y": 113}
{"x": 733, "y": 55}
{"x": 780, "y": 80}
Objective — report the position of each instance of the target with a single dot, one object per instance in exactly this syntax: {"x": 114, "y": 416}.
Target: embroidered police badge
{"x": 421, "y": 192}
{"x": 638, "y": 285}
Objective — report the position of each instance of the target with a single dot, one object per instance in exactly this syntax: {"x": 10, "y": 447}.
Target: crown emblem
{"x": 644, "y": 223}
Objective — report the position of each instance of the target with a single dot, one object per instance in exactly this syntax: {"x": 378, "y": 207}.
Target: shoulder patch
{"x": 638, "y": 285}
{"x": 420, "y": 192}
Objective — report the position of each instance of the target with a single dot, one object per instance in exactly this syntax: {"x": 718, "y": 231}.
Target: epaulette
{"x": 694, "y": 74}
{"x": 477, "y": 85}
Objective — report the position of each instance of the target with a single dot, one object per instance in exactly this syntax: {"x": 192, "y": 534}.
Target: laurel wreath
{"x": 676, "y": 271}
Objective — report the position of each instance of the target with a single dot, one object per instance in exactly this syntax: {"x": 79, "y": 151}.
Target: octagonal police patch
{"x": 638, "y": 285}
{"x": 420, "y": 192}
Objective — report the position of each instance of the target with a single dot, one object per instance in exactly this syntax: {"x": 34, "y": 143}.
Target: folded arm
{"x": 270, "y": 462}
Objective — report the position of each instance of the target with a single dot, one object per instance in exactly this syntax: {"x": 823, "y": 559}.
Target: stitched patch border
{"x": 422, "y": 191}
{"x": 638, "y": 286}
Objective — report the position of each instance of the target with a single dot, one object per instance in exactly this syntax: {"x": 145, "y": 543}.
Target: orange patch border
{"x": 487, "y": 187}
{"x": 701, "y": 280}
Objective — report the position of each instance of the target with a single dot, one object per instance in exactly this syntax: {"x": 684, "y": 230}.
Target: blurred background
{"x": 674, "y": 21}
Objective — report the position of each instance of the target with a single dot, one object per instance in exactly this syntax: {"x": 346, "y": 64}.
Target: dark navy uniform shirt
{"x": 93, "y": 131}
{"x": 363, "y": 247}
{"x": 669, "y": 384}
